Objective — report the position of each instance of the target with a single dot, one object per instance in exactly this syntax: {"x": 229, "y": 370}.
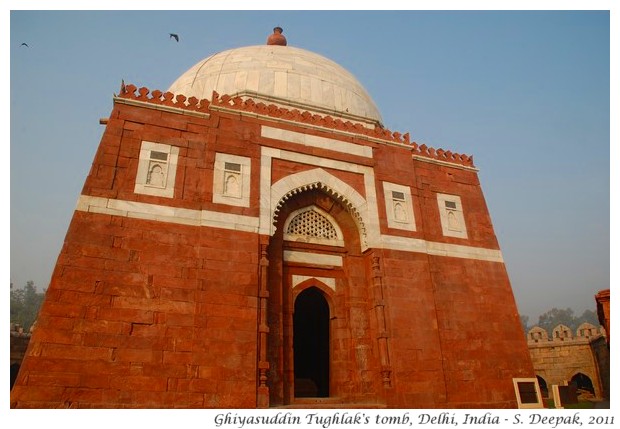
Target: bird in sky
{"x": 25, "y": 44}
{"x": 174, "y": 36}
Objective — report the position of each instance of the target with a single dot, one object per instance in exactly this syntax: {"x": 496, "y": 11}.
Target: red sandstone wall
{"x": 415, "y": 349}
{"x": 480, "y": 332}
{"x": 144, "y": 314}
{"x": 455, "y": 333}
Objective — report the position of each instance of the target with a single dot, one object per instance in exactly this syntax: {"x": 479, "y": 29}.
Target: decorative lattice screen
{"x": 312, "y": 224}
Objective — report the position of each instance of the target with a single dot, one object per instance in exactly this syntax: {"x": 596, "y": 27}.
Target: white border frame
{"x": 219, "y": 173}
{"x": 409, "y": 223}
{"x": 141, "y": 187}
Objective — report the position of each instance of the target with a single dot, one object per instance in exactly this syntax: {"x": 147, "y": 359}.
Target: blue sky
{"x": 526, "y": 92}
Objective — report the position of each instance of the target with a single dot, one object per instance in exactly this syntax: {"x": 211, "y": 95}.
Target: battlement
{"x": 163, "y": 98}
{"x": 245, "y": 104}
{"x": 562, "y": 333}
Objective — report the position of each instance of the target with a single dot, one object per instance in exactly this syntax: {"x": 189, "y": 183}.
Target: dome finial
{"x": 277, "y": 38}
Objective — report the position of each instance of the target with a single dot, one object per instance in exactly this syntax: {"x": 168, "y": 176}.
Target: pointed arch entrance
{"x": 311, "y": 344}
{"x": 582, "y": 383}
{"x": 320, "y": 339}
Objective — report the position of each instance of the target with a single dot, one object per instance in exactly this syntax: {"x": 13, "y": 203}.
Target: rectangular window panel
{"x": 232, "y": 166}
{"x": 398, "y": 195}
{"x": 162, "y": 156}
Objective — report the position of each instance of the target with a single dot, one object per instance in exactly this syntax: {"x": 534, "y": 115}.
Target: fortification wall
{"x": 561, "y": 358}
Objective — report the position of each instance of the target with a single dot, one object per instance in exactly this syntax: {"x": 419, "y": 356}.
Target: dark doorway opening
{"x": 582, "y": 383}
{"x": 311, "y": 344}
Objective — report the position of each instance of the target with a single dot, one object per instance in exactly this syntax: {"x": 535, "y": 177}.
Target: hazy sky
{"x": 526, "y": 92}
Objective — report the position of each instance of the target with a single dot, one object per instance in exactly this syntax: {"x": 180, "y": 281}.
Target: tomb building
{"x": 255, "y": 237}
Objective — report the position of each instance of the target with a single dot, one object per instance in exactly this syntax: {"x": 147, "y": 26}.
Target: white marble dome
{"x": 282, "y": 75}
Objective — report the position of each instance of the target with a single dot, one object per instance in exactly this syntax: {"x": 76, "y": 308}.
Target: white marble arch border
{"x": 327, "y": 281}
{"x": 364, "y": 211}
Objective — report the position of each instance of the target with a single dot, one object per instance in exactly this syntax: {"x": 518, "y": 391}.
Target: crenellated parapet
{"x": 380, "y": 133}
{"x": 562, "y": 333}
{"x": 296, "y": 115}
{"x": 158, "y": 97}
{"x": 443, "y": 155}
{"x": 245, "y": 104}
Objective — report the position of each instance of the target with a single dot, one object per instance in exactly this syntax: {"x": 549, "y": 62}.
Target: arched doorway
{"x": 583, "y": 384}
{"x": 311, "y": 344}
{"x": 312, "y": 299}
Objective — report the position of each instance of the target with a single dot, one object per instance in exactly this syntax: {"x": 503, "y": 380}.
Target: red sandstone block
{"x": 139, "y": 382}
{"x": 229, "y": 311}
{"x": 112, "y": 288}
{"x": 122, "y": 314}
{"x": 82, "y": 397}
{"x": 41, "y": 393}
{"x": 159, "y": 134}
{"x": 173, "y": 343}
{"x": 139, "y": 115}
{"x": 233, "y": 386}
{"x": 94, "y": 381}
{"x": 171, "y": 282}
{"x": 133, "y": 355}
{"x": 37, "y": 363}
{"x": 219, "y": 298}
{"x": 168, "y": 370}
{"x": 125, "y": 341}
{"x": 146, "y": 304}
{"x": 76, "y": 279}
{"x": 139, "y": 330}
{"x": 124, "y": 162}
{"x": 180, "y": 296}
{"x": 38, "y": 405}
{"x": 174, "y": 319}
{"x": 83, "y": 298}
{"x": 207, "y": 372}
{"x": 108, "y": 159}
{"x": 198, "y": 130}
{"x": 53, "y": 322}
{"x": 167, "y": 270}
{"x": 174, "y": 123}
{"x": 176, "y": 358}
{"x": 58, "y": 336}
{"x": 64, "y": 351}
{"x": 62, "y": 310}
{"x": 168, "y": 235}
{"x": 219, "y": 281}
{"x": 54, "y": 379}
{"x": 80, "y": 261}
{"x": 128, "y": 264}
{"x": 145, "y": 399}
{"x": 206, "y": 357}
{"x": 203, "y": 386}
{"x": 178, "y": 332}
{"x": 188, "y": 400}
{"x": 134, "y": 126}
{"x": 218, "y": 323}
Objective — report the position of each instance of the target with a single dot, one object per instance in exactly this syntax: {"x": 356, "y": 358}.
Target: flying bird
{"x": 174, "y": 36}
{"x": 25, "y": 44}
